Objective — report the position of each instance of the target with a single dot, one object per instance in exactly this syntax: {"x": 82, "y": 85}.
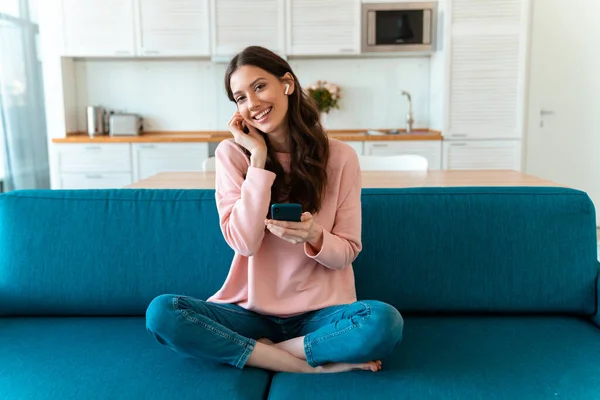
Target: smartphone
{"x": 286, "y": 212}
{"x": 244, "y": 127}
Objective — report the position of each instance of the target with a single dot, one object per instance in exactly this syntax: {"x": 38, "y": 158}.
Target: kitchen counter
{"x": 217, "y": 136}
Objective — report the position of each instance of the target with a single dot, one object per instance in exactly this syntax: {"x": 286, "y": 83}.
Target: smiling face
{"x": 260, "y": 97}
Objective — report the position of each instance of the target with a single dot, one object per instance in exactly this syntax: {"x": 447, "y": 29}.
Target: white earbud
{"x": 287, "y": 88}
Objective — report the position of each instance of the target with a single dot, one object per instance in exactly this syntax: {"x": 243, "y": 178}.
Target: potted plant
{"x": 326, "y": 95}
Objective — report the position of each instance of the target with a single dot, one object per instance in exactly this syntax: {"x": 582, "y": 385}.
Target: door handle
{"x": 542, "y": 114}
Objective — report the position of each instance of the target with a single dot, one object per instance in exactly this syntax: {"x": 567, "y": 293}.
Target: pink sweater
{"x": 269, "y": 275}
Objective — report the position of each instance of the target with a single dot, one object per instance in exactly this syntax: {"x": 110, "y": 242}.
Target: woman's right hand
{"x": 251, "y": 141}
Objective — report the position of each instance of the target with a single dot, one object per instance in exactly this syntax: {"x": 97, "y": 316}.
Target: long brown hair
{"x": 309, "y": 143}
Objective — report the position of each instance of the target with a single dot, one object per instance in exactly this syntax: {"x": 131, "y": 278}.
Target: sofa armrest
{"x": 597, "y": 316}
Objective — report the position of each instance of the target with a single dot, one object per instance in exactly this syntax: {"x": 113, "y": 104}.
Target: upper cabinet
{"x": 98, "y": 27}
{"x": 487, "y": 69}
{"x": 241, "y": 23}
{"x": 173, "y": 27}
{"x": 136, "y": 28}
{"x": 323, "y": 27}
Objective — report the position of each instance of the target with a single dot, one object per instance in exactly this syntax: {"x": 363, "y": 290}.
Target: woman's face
{"x": 260, "y": 97}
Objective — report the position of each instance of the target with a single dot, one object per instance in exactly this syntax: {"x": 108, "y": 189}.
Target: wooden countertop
{"x": 370, "y": 179}
{"x": 217, "y": 136}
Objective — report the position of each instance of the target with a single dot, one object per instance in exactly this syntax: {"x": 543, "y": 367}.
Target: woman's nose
{"x": 253, "y": 102}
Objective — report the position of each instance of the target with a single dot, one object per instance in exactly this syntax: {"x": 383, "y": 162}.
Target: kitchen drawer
{"x": 152, "y": 158}
{"x": 92, "y": 157}
{"x": 431, "y": 150}
{"x": 484, "y": 154}
{"x": 94, "y": 180}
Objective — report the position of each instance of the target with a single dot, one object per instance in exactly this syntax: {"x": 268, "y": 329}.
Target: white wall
{"x": 188, "y": 95}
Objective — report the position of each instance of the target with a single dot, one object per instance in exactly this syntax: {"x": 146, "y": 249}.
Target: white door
{"x": 98, "y": 27}
{"x": 563, "y": 136}
{"x": 173, "y": 28}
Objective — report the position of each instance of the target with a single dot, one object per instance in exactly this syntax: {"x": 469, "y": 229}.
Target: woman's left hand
{"x": 305, "y": 231}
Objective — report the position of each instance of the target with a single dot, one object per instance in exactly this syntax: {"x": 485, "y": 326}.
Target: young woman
{"x": 289, "y": 301}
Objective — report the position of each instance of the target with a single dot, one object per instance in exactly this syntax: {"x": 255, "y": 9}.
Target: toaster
{"x": 125, "y": 124}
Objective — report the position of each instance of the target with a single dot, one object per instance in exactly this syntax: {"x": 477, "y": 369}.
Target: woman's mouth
{"x": 261, "y": 117}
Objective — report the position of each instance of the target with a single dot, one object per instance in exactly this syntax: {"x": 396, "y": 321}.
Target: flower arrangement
{"x": 326, "y": 95}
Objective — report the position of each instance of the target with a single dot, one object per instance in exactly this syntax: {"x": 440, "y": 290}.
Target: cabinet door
{"x": 151, "y": 158}
{"x": 487, "y": 69}
{"x": 431, "y": 150}
{"x": 323, "y": 27}
{"x": 92, "y": 157}
{"x": 357, "y": 146}
{"x": 241, "y": 23}
{"x": 94, "y": 180}
{"x": 485, "y": 154}
{"x": 173, "y": 28}
{"x": 98, "y": 27}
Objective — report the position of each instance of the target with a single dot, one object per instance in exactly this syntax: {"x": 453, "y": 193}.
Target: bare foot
{"x": 343, "y": 367}
{"x": 266, "y": 341}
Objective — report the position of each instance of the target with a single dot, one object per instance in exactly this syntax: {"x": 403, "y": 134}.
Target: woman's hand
{"x": 305, "y": 231}
{"x": 251, "y": 141}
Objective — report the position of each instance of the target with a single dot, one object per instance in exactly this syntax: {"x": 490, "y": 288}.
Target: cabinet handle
{"x": 122, "y": 52}
{"x": 346, "y": 50}
{"x": 94, "y": 176}
{"x": 458, "y": 144}
{"x": 93, "y": 148}
{"x": 459, "y": 135}
{"x": 147, "y": 146}
{"x": 380, "y": 145}
{"x": 150, "y": 52}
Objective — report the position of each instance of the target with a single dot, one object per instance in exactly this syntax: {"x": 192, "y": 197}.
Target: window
{"x": 23, "y": 143}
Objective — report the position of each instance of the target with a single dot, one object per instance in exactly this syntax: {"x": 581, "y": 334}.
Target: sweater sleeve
{"x": 341, "y": 246}
{"x": 242, "y": 203}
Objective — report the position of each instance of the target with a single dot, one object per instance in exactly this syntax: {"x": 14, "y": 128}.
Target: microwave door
{"x": 395, "y": 27}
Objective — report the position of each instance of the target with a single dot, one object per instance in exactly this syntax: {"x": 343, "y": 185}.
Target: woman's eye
{"x": 239, "y": 99}
{"x": 259, "y": 86}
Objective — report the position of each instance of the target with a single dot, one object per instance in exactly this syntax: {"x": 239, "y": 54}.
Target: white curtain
{"x": 23, "y": 139}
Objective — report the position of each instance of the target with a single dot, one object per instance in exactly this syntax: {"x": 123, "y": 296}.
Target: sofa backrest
{"x": 110, "y": 252}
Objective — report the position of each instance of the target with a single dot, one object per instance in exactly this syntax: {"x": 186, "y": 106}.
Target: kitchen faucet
{"x": 409, "y": 116}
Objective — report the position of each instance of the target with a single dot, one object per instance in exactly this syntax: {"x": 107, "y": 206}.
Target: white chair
{"x": 407, "y": 162}
{"x": 209, "y": 164}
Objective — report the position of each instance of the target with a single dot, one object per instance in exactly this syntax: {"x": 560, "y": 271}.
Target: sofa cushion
{"x": 501, "y": 358}
{"x": 107, "y": 252}
{"x": 110, "y": 252}
{"x": 109, "y": 358}
{"x": 502, "y": 249}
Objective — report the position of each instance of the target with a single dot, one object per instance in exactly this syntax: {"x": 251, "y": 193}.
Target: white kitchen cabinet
{"x": 484, "y": 154}
{"x": 486, "y": 69}
{"x": 91, "y": 165}
{"x": 323, "y": 27}
{"x": 357, "y": 146}
{"x": 98, "y": 28}
{"x": 241, "y": 23}
{"x": 151, "y": 158}
{"x": 430, "y": 149}
{"x": 92, "y": 157}
{"x": 95, "y": 180}
{"x": 173, "y": 27}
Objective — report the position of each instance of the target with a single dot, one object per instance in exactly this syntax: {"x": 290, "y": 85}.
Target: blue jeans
{"x": 227, "y": 333}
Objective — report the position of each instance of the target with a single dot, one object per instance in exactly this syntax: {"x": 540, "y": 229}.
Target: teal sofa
{"x": 498, "y": 288}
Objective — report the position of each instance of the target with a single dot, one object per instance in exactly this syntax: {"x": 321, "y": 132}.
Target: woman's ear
{"x": 288, "y": 83}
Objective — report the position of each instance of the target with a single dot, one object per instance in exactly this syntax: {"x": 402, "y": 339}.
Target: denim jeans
{"x": 227, "y": 333}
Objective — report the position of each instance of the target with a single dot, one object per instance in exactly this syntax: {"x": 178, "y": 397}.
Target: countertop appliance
{"x": 125, "y": 124}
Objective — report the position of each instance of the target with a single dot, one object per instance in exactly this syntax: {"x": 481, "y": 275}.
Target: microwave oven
{"x": 392, "y": 27}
